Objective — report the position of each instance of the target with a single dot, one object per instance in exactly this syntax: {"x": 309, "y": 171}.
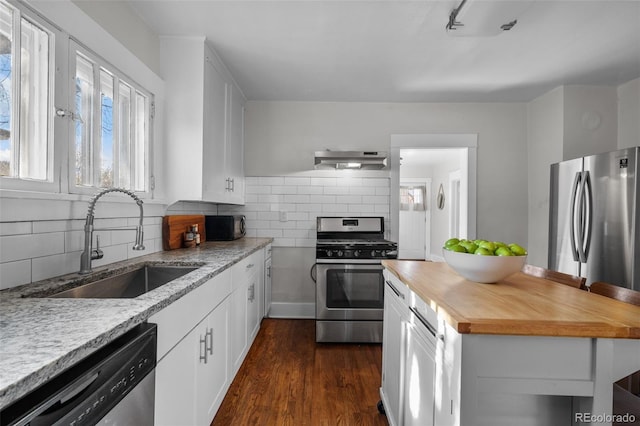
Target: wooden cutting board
{"x": 174, "y": 227}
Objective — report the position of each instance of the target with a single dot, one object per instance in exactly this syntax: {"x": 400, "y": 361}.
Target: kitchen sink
{"x": 128, "y": 284}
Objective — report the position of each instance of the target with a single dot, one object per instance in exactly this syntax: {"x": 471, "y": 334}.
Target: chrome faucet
{"x": 89, "y": 252}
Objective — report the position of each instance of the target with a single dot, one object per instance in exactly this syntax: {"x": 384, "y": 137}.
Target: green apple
{"x": 483, "y": 252}
{"x": 469, "y": 245}
{"x": 503, "y": 251}
{"x": 500, "y": 244}
{"x": 517, "y": 250}
{"x": 457, "y": 248}
{"x": 451, "y": 242}
{"x": 488, "y": 245}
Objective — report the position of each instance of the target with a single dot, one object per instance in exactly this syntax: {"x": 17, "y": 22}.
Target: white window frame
{"x": 101, "y": 64}
{"x": 56, "y": 54}
{"x": 62, "y": 144}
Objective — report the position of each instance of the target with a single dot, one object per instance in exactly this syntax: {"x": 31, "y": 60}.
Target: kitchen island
{"x": 40, "y": 336}
{"x": 524, "y": 351}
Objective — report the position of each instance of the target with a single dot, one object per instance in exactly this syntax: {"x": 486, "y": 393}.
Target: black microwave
{"x": 224, "y": 228}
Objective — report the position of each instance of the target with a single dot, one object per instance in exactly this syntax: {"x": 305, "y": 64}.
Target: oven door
{"x": 349, "y": 291}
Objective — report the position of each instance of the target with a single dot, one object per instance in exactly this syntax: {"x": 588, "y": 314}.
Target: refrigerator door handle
{"x": 588, "y": 210}
{"x": 573, "y": 217}
{"x": 583, "y": 217}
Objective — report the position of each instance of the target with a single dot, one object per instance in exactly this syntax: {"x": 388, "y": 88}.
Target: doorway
{"x": 446, "y": 165}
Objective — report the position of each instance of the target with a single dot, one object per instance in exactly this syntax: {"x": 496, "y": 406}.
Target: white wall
{"x": 280, "y": 138}
{"x": 545, "y": 130}
{"x": 629, "y": 114}
{"x": 119, "y": 20}
{"x": 590, "y": 116}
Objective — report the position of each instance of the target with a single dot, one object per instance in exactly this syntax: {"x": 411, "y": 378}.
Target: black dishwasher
{"x": 114, "y": 385}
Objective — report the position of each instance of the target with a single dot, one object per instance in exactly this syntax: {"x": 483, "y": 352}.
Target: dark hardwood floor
{"x": 288, "y": 379}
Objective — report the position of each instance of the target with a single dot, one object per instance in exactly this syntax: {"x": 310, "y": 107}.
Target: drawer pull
{"x": 395, "y": 290}
{"x": 424, "y": 322}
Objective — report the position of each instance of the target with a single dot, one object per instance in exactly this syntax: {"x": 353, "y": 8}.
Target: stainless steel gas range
{"x": 349, "y": 281}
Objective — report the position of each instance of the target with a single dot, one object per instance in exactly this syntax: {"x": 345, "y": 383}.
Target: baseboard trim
{"x": 293, "y": 310}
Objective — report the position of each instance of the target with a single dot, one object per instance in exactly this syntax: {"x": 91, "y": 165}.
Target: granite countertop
{"x": 40, "y": 337}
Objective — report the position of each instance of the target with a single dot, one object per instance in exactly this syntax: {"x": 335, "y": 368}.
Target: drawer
{"x": 176, "y": 320}
{"x": 247, "y": 268}
{"x": 399, "y": 287}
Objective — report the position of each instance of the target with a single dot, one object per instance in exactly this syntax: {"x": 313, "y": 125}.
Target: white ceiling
{"x": 399, "y": 51}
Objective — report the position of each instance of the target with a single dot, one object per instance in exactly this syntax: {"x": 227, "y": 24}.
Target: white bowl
{"x": 483, "y": 269}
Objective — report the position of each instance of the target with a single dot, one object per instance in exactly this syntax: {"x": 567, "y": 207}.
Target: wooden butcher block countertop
{"x": 518, "y": 305}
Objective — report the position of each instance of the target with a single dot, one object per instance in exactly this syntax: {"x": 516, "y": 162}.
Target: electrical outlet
{"x": 283, "y": 216}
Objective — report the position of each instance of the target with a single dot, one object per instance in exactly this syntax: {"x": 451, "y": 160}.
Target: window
{"x": 26, "y": 85}
{"x": 100, "y": 119}
{"x": 111, "y": 118}
{"x": 413, "y": 197}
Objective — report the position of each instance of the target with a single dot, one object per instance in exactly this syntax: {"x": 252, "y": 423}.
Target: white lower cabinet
{"x": 395, "y": 316}
{"x": 420, "y": 375}
{"x": 245, "y": 306}
{"x": 191, "y": 380}
{"x": 412, "y": 354}
{"x": 203, "y": 338}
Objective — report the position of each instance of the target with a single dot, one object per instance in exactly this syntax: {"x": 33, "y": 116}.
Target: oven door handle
{"x": 313, "y": 272}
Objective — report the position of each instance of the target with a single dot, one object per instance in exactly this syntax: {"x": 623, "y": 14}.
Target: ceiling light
{"x": 482, "y": 18}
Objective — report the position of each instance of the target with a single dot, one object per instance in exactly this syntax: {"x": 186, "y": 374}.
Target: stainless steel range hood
{"x": 358, "y": 160}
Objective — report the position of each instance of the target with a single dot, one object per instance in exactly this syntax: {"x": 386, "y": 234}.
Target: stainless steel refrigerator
{"x": 593, "y": 218}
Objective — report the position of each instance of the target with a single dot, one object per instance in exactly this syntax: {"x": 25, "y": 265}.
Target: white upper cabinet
{"x": 204, "y": 128}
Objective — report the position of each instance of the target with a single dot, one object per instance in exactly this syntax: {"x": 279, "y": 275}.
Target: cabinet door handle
{"x": 228, "y": 185}
{"x": 210, "y": 344}
{"x": 203, "y": 349}
{"x": 233, "y": 185}
{"x": 249, "y": 266}
{"x": 252, "y": 292}
{"x": 395, "y": 290}
{"x": 269, "y": 271}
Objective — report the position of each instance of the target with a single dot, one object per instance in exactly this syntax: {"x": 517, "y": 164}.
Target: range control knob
{"x": 373, "y": 253}
{"x": 329, "y": 253}
{"x": 356, "y": 253}
{"x": 340, "y": 253}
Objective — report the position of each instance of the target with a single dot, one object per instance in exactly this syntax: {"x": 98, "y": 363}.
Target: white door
{"x": 414, "y": 213}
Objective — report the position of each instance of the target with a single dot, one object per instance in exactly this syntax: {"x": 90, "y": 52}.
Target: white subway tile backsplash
{"x": 334, "y": 208}
{"x": 27, "y": 246}
{"x": 15, "y": 228}
{"x": 271, "y": 180}
{"x": 336, "y": 190}
{"x": 290, "y": 180}
{"x": 323, "y": 181}
{"x": 256, "y": 189}
{"x": 362, "y": 190}
{"x": 299, "y": 198}
{"x": 312, "y": 207}
{"x": 51, "y": 266}
{"x": 15, "y": 273}
{"x": 322, "y": 199}
{"x": 269, "y": 233}
{"x": 310, "y": 190}
{"x": 47, "y": 244}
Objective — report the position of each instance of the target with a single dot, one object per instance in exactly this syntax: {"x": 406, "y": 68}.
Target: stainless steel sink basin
{"x": 129, "y": 284}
